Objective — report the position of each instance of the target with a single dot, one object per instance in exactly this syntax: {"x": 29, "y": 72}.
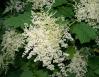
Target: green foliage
{"x": 84, "y": 32}
{"x": 14, "y": 73}
{"x": 20, "y": 73}
{"x": 1, "y": 28}
{"x": 62, "y": 8}
{"x": 91, "y": 73}
{"x": 71, "y": 50}
{"x": 26, "y": 73}
{"x": 94, "y": 62}
{"x": 18, "y": 21}
{"x": 93, "y": 66}
{"x": 59, "y": 3}
{"x": 66, "y": 11}
{"x": 41, "y": 73}
{"x": 97, "y": 71}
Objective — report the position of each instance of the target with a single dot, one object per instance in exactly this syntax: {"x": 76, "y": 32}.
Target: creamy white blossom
{"x": 19, "y": 6}
{"x": 43, "y": 39}
{"x": 39, "y": 4}
{"x": 78, "y": 65}
{"x": 10, "y": 43}
{"x": 88, "y": 10}
{"x": 14, "y": 5}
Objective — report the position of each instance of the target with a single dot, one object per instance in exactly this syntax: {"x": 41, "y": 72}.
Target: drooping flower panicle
{"x": 11, "y": 42}
{"x": 43, "y": 39}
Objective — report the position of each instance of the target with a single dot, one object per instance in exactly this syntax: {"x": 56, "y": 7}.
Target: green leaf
{"x": 59, "y": 2}
{"x": 14, "y": 73}
{"x": 27, "y": 73}
{"x": 84, "y": 32}
{"x": 18, "y": 21}
{"x": 65, "y": 11}
{"x": 93, "y": 62}
{"x": 71, "y": 50}
{"x": 97, "y": 71}
{"x": 90, "y": 73}
{"x": 41, "y": 73}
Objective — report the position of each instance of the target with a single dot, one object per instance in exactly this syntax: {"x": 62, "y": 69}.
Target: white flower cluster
{"x": 39, "y": 4}
{"x": 43, "y": 39}
{"x": 88, "y": 10}
{"x": 10, "y": 43}
{"x": 15, "y": 5}
{"x": 19, "y": 6}
{"x": 66, "y": 36}
{"x": 78, "y": 65}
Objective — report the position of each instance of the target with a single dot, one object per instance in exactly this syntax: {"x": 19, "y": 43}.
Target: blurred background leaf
{"x": 84, "y": 32}
{"x": 18, "y": 21}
